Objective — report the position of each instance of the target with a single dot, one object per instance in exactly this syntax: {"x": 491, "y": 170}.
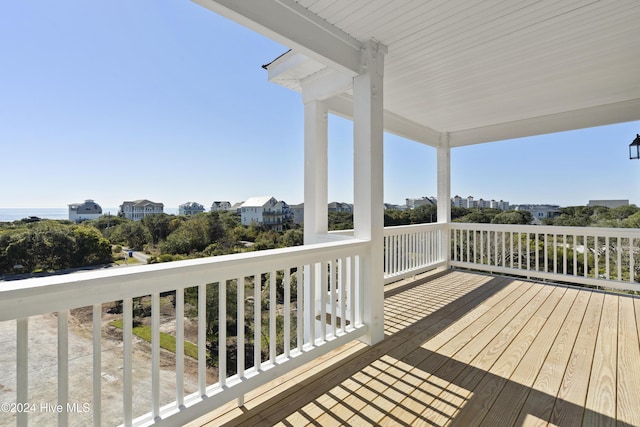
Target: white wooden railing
{"x": 288, "y": 330}
{"x": 601, "y": 257}
{"x": 412, "y": 249}
{"x": 291, "y": 324}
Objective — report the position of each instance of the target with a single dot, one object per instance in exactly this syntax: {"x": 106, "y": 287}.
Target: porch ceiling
{"x": 480, "y": 70}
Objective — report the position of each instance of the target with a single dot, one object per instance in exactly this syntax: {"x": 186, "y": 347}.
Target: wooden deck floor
{"x": 466, "y": 349}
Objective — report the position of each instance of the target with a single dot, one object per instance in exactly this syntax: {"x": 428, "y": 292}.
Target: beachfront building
{"x": 491, "y": 338}
{"x": 138, "y": 209}
{"x": 190, "y": 208}
{"x": 86, "y": 210}
{"x": 265, "y": 211}
{"x": 422, "y": 201}
{"x": 540, "y": 212}
{"x": 220, "y": 206}
{"x": 469, "y": 203}
{"x": 340, "y": 207}
{"x": 297, "y": 213}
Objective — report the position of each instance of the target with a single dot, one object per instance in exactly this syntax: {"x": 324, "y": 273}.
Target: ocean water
{"x": 16, "y": 214}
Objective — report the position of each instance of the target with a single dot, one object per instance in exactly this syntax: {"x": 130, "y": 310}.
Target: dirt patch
{"x": 43, "y": 367}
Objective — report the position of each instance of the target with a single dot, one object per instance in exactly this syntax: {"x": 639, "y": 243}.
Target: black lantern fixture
{"x": 634, "y": 148}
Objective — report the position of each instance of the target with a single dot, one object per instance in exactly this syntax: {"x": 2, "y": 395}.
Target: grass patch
{"x": 168, "y": 342}
{"x": 121, "y": 261}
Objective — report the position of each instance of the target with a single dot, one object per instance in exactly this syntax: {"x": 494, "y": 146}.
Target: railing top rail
{"x": 412, "y": 227}
{"x": 22, "y": 298}
{"x": 550, "y": 229}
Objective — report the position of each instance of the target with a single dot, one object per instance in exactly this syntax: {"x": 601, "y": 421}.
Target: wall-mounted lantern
{"x": 634, "y": 148}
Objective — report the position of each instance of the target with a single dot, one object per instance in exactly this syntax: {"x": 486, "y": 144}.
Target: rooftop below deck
{"x": 469, "y": 349}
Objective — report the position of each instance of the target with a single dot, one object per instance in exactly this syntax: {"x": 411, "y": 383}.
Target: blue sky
{"x": 164, "y": 100}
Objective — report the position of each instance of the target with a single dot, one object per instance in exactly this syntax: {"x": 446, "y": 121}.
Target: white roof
{"x": 479, "y": 71}
{"x": 256, "y": 202}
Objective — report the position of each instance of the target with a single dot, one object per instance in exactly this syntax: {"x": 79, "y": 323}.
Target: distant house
{"x": 236, "y": 207}
{"x": 138, "y": 209}
{"x": 266, "y": 211}
{"x": 423, "y": 201}
{"x": 190, "y": 208}
{"x": 539, "y": 212}
{"x": 340, "y": 207}
{"x": 394, "y": 207}
{"x": 608, "y": 203}
{"x": 220, "y": 206}
{"x": 297, "y": 213}
{"x": 89, "y": 209}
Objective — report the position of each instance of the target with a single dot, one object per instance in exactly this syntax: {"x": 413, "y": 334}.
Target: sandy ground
{"x": 43, "y": 370}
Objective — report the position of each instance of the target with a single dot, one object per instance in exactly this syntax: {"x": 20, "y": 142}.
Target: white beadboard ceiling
{"x": 479, "y": 70}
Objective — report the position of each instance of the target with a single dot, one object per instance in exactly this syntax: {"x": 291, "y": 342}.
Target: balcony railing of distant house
{"x": 283, "y": 308}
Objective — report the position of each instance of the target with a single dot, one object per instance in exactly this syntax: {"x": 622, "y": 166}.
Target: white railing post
{"x": 542, "y": 246}
{"x": 63, "y": 366}
{"x": 22, "y": 369}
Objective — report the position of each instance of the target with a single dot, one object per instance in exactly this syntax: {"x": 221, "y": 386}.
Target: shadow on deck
{"x": 467, "y": 349}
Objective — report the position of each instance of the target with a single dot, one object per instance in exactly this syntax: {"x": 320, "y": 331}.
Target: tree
{"x": 512, "y": 217}
{"x": 91, "y": 247}
{"x": 159, "y": 226}
{"x": 132, "y": 233}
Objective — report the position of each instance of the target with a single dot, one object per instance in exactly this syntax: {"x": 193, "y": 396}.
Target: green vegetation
{"x": 34, "y": 245}
{"x": 30, "y": 246}
{"x": 168, "y": 342}
{"x": 598, "y": 216}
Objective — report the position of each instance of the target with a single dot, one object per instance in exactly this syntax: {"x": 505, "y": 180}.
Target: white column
{"x": 444, "y": 192}
{"x": 444, "y": 179}
{"x": 368, "y": 209}
{"x": 316, "y": 217}
{"x": 315, "y": 171}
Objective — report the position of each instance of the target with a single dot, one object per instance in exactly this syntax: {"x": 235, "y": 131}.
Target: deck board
{"x": 628, "y": 398}
{"x": 513, "y": 396}
{"x": 569, "y": 406}
{"x": 467, "y": 349}
{"x": 601, "y": 396}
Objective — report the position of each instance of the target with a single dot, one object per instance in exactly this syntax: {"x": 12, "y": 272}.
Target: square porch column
{"x": 444, "y": 194}
{"x": 368, "y": 207}
{"x": 316, "y": 216}
{"x": 316, "y": 196}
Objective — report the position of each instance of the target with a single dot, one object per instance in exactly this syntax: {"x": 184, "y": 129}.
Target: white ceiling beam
{"x": 602, "y": 115}
{"x": 342, "y": 105}
{"x": 325, "y": 84}
{"x": 284, "y": 63}
{"x": 292, "y": 25}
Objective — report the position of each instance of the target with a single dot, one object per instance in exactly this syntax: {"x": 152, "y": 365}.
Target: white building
{"x": 190, "y": 208}
{"x": 340, "y": 207}
{"x": 539, "y": 212}
{"x": 297, "y": 213}
{"x": 89, "y": 209}
{"x": 502, "y": 205}
{"x": 138, "y": 209}
{"x": 469, "y": 202}
{"x": 458, "y": 202}
{"x": 265, "y": 211}
{"x": 220, "y": 206}
{"x": 428, "y": 201}
{"x": 608, "y": 203}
